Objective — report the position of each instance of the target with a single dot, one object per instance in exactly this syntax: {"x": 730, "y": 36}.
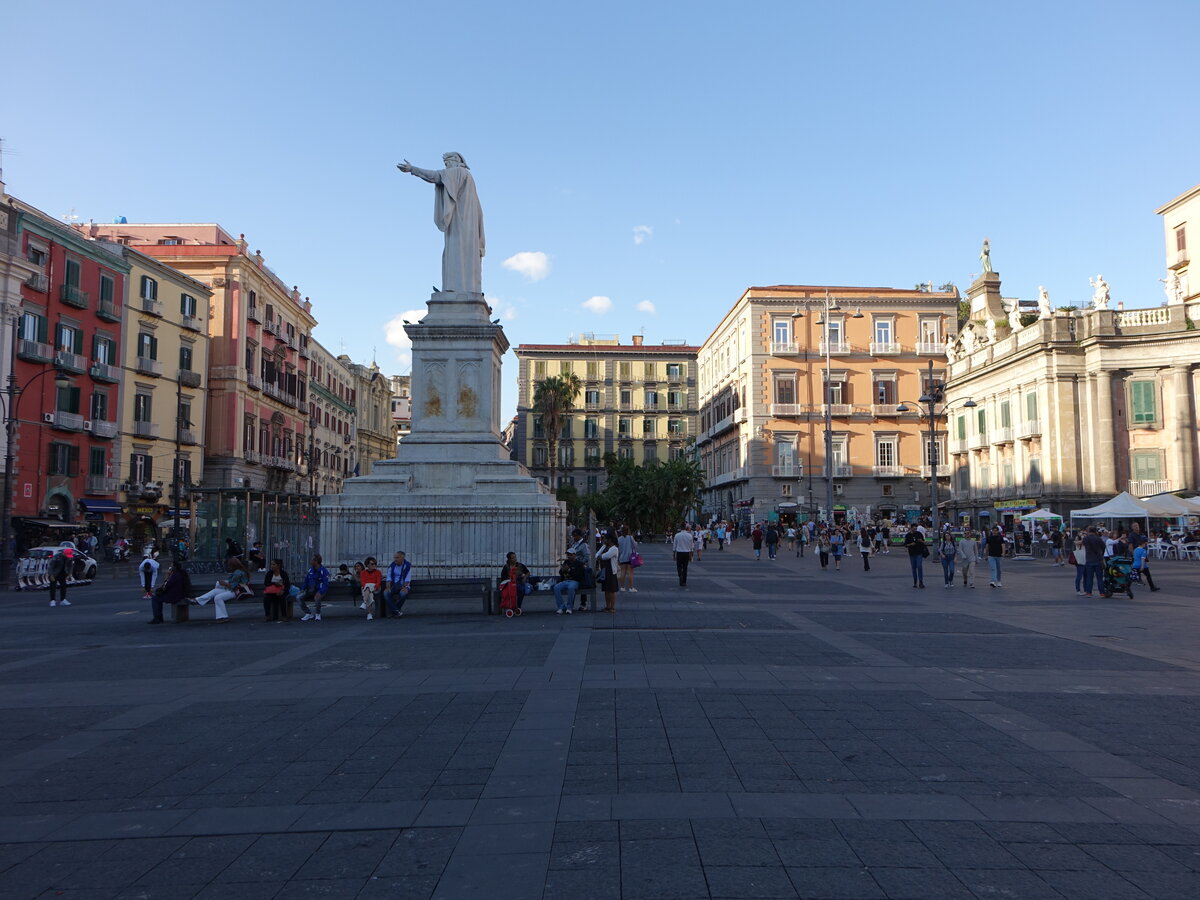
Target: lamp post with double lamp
{"x": 12, "y": 403}
{"x": 827, "y": 305}
{"x": 934, "y": 394}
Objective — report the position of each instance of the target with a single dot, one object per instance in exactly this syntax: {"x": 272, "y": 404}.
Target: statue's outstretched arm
{"x": 432, "y": 176}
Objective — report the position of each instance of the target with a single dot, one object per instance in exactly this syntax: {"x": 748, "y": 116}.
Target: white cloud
{"x": 502, "y": 308}
{"x": 647, "y": 306}
{"x": 393, "y": 332}
{"x": 598, "y": 305}
{"x": 641, "y": 233}
{"x": 533, "y": 264}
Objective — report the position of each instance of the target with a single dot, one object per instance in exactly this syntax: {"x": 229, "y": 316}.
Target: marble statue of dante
{"x": 1044, "y": 311}
{"x": 985, "y": 256}
{"x": 457, "y": 213}
{"x": 1100, "y": 293}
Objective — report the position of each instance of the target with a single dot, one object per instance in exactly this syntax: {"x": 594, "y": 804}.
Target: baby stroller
{"x": 1118, "y": 577}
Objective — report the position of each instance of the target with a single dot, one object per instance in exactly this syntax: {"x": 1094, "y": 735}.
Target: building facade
{"x": 375, "y": 433}
{"x": 333, "y": 454}
{"x": 15, "y": 270}
{"x": 402, "y": 405}
{"x": 638, "y": 401}
{"x": 162, "y": 398}
{"x": 69, "y": 352}
{"x": 762, "y": 401}
{"x": 1177, "y": 214}
{"x": 1073, "y": 405}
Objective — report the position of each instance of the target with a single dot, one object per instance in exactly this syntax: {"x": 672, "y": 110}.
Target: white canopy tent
{"x": 1168, "y": 506}
{"x": 1040, "y": 515}
{"x": 1122, "y": 506}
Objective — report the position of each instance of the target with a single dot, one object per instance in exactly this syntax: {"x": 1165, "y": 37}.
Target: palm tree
{"x": 553, "y": 399}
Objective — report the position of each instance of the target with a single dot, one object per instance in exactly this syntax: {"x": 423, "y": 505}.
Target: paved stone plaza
{"x": 773, "y": 731}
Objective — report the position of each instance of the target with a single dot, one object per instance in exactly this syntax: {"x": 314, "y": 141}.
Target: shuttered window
{"x": 1142, "y": 402}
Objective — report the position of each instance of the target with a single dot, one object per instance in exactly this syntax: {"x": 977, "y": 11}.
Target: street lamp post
{"x": 12, "y": 403}
{"x": 828, "y": 305}
{"x": 934, "y": 394}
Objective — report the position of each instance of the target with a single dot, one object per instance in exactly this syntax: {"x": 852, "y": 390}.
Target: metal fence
{"x": 288, "y": 526}
{"x": 447, "y": 542}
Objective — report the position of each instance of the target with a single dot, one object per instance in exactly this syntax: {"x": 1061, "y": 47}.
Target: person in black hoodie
{"x": 914, "y": 541}
{"x": 276, "y": 588}
{"x": 176, "y": 589}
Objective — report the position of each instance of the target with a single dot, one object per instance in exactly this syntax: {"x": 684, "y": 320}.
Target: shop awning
{"x": 100, "y": 506}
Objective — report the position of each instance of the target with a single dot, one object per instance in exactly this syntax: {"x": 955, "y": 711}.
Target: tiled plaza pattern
{"x": 774, "y": 731}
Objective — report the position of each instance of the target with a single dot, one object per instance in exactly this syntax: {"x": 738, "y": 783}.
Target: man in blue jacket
{"x": 397, "y": 583}
{"x": 316, "y": 585}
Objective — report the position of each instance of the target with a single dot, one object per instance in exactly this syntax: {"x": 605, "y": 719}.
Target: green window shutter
{"x": 962, "y": 428}
{"x": 78, "y": 342}
{"x": 982, "y": 421}
{"x": 1147, "y": 467}
{"x": 1143, "y": 402}
{"x": 43, "y": 328}
{"x": 73, "y": 461}
{"x": 72, "y": 273}
{"x": 1005, "y": 415}
{"x": 1031, "y": 409}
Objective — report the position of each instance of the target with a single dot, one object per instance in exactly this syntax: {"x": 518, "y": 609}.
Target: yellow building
{"x": 375, "y": 431}
{"x": 638, "y": 401}
{"x": 762, "y": 400}
{"x": 331, "y": 453}
{"x": 160, "y": 396}
{"x": 1176, "y": 215}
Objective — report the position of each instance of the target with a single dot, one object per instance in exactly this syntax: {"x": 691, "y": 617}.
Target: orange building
{"x": 762, "y": 400}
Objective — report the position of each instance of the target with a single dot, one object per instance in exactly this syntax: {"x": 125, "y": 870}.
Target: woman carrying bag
{"x": 606, "y": 570}
{"x": 627, "y": 549}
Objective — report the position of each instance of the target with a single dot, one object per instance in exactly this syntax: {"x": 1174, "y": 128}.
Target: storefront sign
{"x": 1007, "y": 505}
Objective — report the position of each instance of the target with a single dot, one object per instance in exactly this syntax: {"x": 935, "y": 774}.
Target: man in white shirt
{"x": 683, "y": 545}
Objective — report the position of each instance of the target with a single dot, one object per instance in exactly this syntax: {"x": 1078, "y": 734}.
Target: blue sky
{"x": 661, "y": 155}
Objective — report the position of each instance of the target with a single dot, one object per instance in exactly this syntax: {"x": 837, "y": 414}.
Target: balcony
{"x": 977, "y": 441}
{"x": 786, "y": 409}
{"x": 103, "y": 429}
{"x": 35, "y": 351}
{"x": 71, "y": 362}
{"x": 839, "y": 471}
{"x": 271, "y": 389}
{"x": 1148, "y": 488}
{"x": 943, "y": 471}
{"x": 740, "y": 415}
{"x": 304, "y": 351}
{"x": 192, "y": 323}
{"x": 837, "y": 348}
{"x": 66, "y": 421}
{"x": 73, "y": 296}
{"x": 100, "y": 484}
{"x": 1003, "y": 435}
{"x": 841, "y": 409}
{"x": 291, "y": 341}
{"x": 958, "y": 445}
{"x": 888, "y": 471}
{"x": 107, "y": 310}
{"x": 726, "y": 477}
{"x": 145, "y": 429}
{"x": 149, "y": 367}
{"x": 787, "y": 471}
{"x": 253, "y": 457}
{"x": 252, "y": 314}
{"x": 884, "y": 348}
{"x": 1180, "y": 260}
{"x": 104, "y": 372}
{"x": 152, "y": 307}
{"x": 188, "y": 378}
{"x": 885, "y": 409}
{"x": 38, "y": 282}
{"x": 271, "y": 328}
{"x": 253, "y": 382}
{"x": 187, "y": 436}
{"x": 783, "y": 348}
{"x": 931, "y": 348}
{"x": 1029, "y": 429}
{"x": 279, "y": 462}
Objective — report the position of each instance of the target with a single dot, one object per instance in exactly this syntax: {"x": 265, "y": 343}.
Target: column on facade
{"x": 1184, "y": 399}
{"x": 1101, "y": 447}
{"x": 1059, "y": 411}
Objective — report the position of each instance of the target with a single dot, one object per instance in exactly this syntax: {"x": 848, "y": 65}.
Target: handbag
{"x": 635, "y": 559}
{"x": 1080, "y": 556}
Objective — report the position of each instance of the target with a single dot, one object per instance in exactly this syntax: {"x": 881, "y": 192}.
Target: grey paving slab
{"x": 775, "y": 731}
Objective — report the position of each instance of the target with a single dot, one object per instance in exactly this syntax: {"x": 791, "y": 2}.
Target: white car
{"x": 84, "y": 567}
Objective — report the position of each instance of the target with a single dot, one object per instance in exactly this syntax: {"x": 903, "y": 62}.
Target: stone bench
{"x": 445, "y": 589}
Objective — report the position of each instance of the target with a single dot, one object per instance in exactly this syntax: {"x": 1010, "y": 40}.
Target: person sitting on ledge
{"x": 514, "y": 569}
{"x": 175, "y": 589}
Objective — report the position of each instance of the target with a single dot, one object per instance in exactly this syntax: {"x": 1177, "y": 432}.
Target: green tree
{"x": 654, "y": 498}
{"x": 553, "y": 400}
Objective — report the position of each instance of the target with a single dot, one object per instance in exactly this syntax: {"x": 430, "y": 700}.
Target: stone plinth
{"x": 452, "y": 499}
{"x": 984, "y": 296}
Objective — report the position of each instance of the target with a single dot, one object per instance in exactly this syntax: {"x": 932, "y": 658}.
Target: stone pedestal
{"x": 452, "y": 499}
{"x": 984, "y": 295}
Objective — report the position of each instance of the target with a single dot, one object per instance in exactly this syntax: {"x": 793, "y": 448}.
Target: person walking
{"x": 756, "y": 541}
{"x": 626, "y": 546}
{"x": 277, "y": 586}
{"x": 967, "y": 554}
{"x": 864, "y": 547}
{"x": 772, "y": 539}
{"x": 1079, "y": 557}
{"x": 59, "y": 569}
{"x": 397, "y": 583}
{"x": 682, "y": 546}
{"x": 914, "y": 542}
{"x": 1094, "y": 549}
{"x": 315, "y": 587}
{"x": 801, "y": 540}
{"x": 995, "y": 552}
{"x": 886, "y": 532}
{"x": 823, "y": 548}
{"x": 721, "y": 534}
{"x": 837, "y": 546}
{"x": 947, "y": 553}
{"x": 1056, "y": 544}
{"x": 606, "y": 570}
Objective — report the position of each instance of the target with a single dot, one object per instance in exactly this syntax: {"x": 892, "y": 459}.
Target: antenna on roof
{"x": 1, "y": 160}
{"x": 70, "y": 218}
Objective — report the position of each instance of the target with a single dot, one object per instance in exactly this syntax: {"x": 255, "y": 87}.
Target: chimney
{"x": 637, "y": 340}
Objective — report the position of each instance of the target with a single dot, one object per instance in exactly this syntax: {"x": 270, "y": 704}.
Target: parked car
{"x": 84, "y": 567}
